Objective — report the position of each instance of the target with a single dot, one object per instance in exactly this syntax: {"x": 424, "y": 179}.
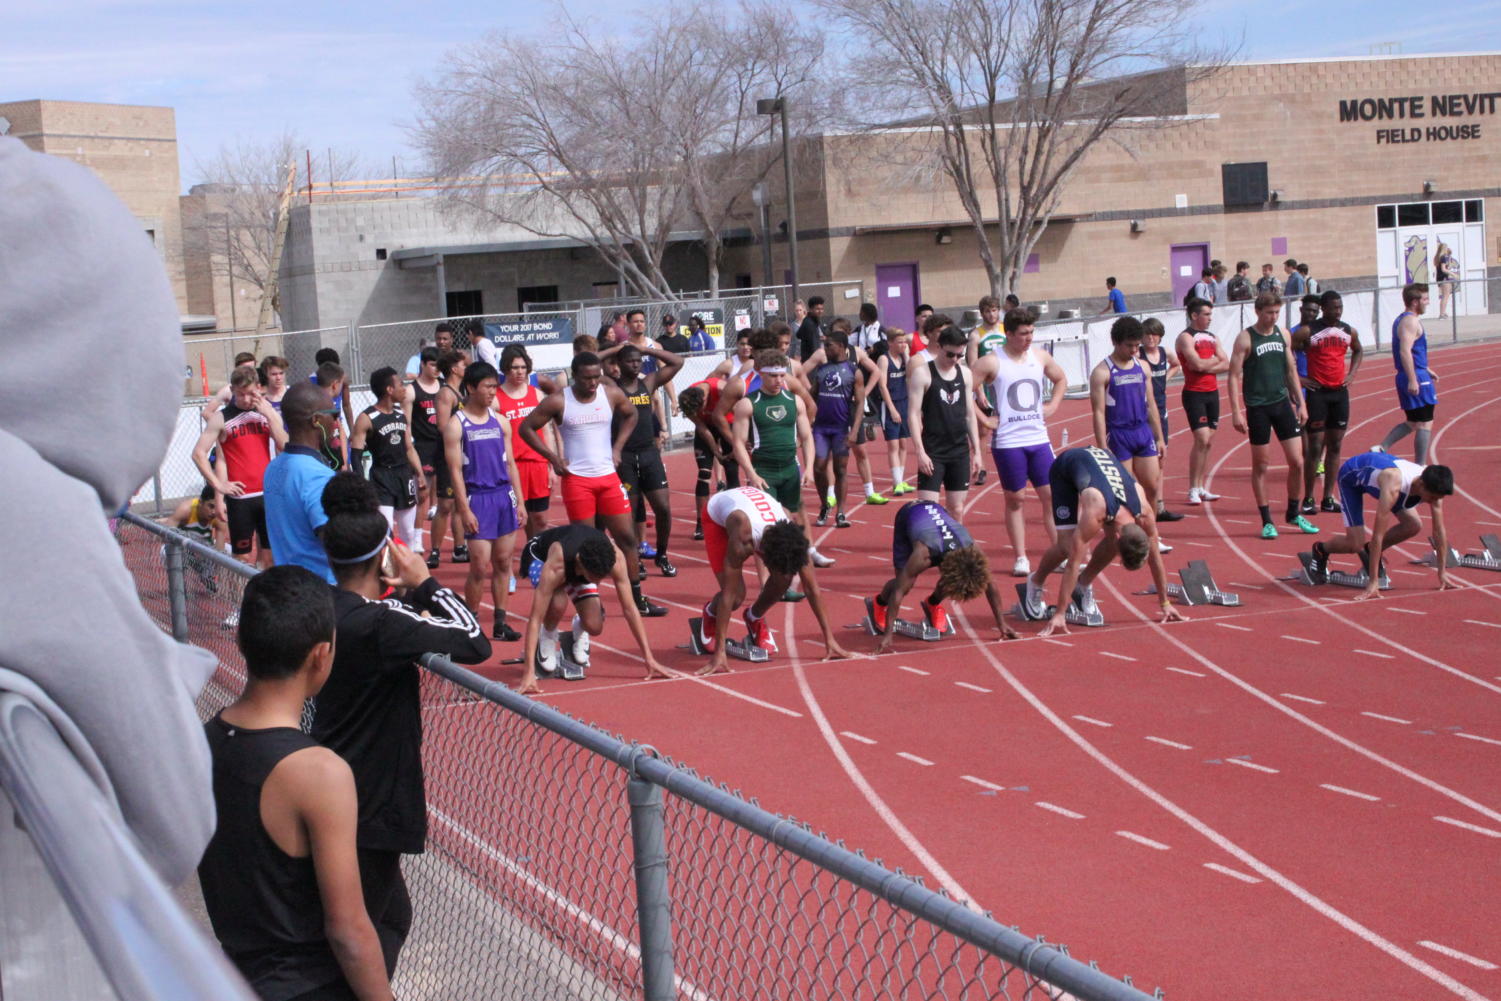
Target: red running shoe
{"x": 878, "y": 615}
{"x": 708, "y": 628}
{"x": 760, "y": 632}
{"x": 938, "y": 616}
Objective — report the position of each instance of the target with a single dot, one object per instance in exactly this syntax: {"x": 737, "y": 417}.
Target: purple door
{"x": 896, "y": 294}
{"x": 1186, "y": 264}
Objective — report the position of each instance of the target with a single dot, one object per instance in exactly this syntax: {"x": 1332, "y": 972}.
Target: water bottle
{"x": 1065, "y": 437}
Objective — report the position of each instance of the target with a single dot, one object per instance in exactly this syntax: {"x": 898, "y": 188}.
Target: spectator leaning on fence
{"x": 295, "y": 479}
{"x": 281, "y": 877}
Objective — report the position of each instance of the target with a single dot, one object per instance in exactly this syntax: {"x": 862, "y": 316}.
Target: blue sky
{"x": 342, "y": 76}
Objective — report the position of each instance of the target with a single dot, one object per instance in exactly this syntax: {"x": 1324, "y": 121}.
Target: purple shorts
{"x": 1131, "y": 443}
{"x": 496, "y": 513}
{"x": 1016, "y": 466}
{"x": 829, "y": 441}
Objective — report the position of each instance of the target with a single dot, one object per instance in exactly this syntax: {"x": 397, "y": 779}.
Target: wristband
{"x": 1167, "y": 603}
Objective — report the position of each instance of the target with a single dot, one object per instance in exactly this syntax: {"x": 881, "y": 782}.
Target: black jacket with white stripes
{"x": 369, "y": 712}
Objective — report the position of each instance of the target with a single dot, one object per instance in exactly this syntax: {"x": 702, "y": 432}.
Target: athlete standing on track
{"x": 1161, "y": 364}
{"x": 421, "y": 406}
{"x": 592, "y": 491}
{"x": 641, "y": 468}
{"x": 1202, "y": 358}
{"x": 1093, "y": 494}
{"x": 942, "y": 419}
{"x": 1125, "y": 424}
{"x": 1262, "y": 360}
{"x": 1398, "y": 486}
{"x": 449, "y": 398}
{"x": 1325, "y": 343}
{"x": 382, "y": 439}
{"x": 243, "y": 430}
{"x": 740, "y": 524}
{"x": 1417, "y": 390}
{"x": 516, "y": 398}
{"x": 1013, "y": 375}
{"x": 840, "y": 399}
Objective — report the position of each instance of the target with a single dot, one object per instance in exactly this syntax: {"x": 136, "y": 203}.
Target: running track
{"x": 1292, "y": 799}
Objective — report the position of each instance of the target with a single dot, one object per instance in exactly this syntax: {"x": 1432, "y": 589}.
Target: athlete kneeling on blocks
{"x": 746, "y": 522}
{"x": 566, "y": 564}
{"x": 1093, "y": 494}
{"x": 924, "y": 536}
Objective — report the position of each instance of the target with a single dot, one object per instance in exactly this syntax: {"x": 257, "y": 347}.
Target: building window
{"x": 1447, "y": 212}
{"x": 470, "y": 303}
{"x": 1475, "y": 210}
{"x": 1412, "y": 214}
{"x": 1386, "y": 217}
{"x": 744, "y": 281}
{"x": 151, "y": 235}
{"x": 535, "y": 293}
{"x": 380, "y": 253}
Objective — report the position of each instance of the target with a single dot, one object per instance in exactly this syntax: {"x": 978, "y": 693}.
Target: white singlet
{"x": 761, "y": 509}
{"x": 1018, "y": 390}
{"x": 586, "y": 434}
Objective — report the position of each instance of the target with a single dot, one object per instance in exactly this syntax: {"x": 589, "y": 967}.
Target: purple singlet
{"x": 484, "y": 453}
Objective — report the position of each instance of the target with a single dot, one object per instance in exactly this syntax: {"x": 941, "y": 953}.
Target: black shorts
{"x": 1201, "y": 408}
{"x": 1263, "y": 419}
{"x": 247, "y": 523}
{"x": 1420, "y": 415}
{"x": 395, "y": 486}
{"x": 705, "y": 460}
{"x": 434, "y": 467}
{"x": 643, "y": 470}
{"x": 950, "y": 472}
{"x": 1328, "y": 408}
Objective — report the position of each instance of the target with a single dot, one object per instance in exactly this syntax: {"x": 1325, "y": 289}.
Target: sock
{"x": 1266, "y": 514}
{"x": 899, "y": 474}
{"x": 578, "y": 626}
{"x": 636, "y": 591}
{"x": 1292, "y": 509}
{"x": 1420, "y": 450}
{"x": 1395, "y": 435}
{"x": 870, "y": 488}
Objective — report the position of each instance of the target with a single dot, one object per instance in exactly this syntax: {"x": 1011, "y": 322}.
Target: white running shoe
{"x": 1163, "y": 547}
{"x": 1034, "y": 605}
{"x": 231, "y": 620}
{"x": 1377, "y": 449}
{"x": 580, "y": 643}
{"x": 1194, "y": 495}
{"x": 1084, "y": 598}
{"x": 1204, "y": 494}
{"x": 547, "y": 652}
{"x": 1022, "y": 567}
{"x": 819, "y": 559}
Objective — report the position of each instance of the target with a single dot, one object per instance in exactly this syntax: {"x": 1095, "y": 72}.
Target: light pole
{"x": 762, "y": 198}
{"x": 778, "y": 106}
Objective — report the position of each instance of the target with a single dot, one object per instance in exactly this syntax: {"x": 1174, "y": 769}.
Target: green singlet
{"x": 773, "y": 442}
{"x": 1265, "y": 369}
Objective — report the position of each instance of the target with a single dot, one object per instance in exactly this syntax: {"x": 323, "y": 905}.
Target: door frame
{"x": 1172, "y": 279}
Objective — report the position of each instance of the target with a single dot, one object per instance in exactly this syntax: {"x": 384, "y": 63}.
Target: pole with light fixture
{"x": 778, "y": 106}
{"x": 762, "y": 198}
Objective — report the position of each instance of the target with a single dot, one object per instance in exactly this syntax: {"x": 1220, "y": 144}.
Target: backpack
{"x": 1238, "y": 289}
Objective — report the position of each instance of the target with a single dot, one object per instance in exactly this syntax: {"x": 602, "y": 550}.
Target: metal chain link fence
{"x": 562, "y": 862}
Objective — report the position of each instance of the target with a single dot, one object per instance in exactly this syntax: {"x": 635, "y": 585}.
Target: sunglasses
{"x": 954, "y": 354}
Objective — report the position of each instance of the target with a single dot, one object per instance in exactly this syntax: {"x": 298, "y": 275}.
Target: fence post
{"x": 356, "y": 362}
{"x": 653, "y": 906}
{"x": 177, "y": 591}
{"x": 156, "y": 490}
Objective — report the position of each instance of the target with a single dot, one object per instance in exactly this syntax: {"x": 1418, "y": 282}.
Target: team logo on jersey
{"x": 949, "y": 396}
{"x": 1061, "y": 510}
{"x": 776, "y": 413}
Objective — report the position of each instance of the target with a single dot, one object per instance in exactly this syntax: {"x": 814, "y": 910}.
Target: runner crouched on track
{"x": 1399, "y": 486}
{"x": 1094, "y": 494}
{"x": 925, "y": 536}
{"x": 746, "y": 522}
{"x": 566, "y": 564}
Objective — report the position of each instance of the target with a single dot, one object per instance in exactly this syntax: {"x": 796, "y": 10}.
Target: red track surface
{"x": 1292, "y": 799}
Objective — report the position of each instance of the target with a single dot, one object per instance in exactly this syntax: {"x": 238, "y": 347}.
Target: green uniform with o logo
{"x": 773, "y": 446}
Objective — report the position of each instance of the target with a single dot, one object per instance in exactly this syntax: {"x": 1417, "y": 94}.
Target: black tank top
{"x": 387, "y": 440}
{"x": 263, "y": 903}
{"x": 644, "y": 434}
{"x": 945, "y": 412}
{"x": 570, "y": 537}
{"x": 424, "y": 413}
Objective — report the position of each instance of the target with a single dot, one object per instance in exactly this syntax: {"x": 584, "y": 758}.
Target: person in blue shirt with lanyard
{"x": 295, "y": 479}
{"x": 1417, "y": 389}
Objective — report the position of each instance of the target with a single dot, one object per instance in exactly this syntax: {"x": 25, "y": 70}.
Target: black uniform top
{"x": 644, "y": 434}
{"x": 368, "y": 711}
{"x": 570, "y": 537}
{"x": 263, "y": 903}
{"x": 387, "y": 442}
{"x": 945, "y": 413}
{"x": 424, "y": 413}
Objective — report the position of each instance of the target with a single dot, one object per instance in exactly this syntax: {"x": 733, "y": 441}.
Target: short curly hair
{"x": 964, "y": 573}
{"x": 691, "y": 400}
{"x": 784, "y": 548}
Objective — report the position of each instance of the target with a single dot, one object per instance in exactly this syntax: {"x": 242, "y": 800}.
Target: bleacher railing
{"x": 564, "y": 862}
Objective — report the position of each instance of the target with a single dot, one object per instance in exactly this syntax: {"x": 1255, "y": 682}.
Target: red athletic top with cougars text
{"x": 1327, "y": 348}
{"x": 512, "y": 410}
{"x": 246, "y": 442}
{"x": 1200, "y": 382}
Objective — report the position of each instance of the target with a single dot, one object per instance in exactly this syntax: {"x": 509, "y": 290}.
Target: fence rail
{"x": 564, "y": 862}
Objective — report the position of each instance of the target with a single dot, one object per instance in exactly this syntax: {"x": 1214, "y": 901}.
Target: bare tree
{"x": 1008, "y": 96}
{"x": 621, "y": 146}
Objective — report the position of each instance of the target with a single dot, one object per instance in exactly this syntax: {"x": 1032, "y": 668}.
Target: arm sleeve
{"x": 451, "y": 628}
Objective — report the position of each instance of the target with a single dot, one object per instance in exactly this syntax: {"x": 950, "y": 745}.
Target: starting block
{"x": 1338, "y": 577}
{"x": 1073, "y": 614}
{"x": 1452, "y": 557}
{"x": 1198, "y": 587}
{"x": 569, "y": 669}
{"x": 1490, "y": 559}
{"x": 739, "y": 649}
{"x": 912, "y": 630}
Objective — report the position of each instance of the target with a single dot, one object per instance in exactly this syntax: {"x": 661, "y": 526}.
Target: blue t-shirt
{"x": 1117, "y": 300}
{"x": 294, "y": 483}
{"x": 701, "y": 341}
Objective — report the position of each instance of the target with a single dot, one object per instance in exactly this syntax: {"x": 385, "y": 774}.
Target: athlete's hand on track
{"x": 833, "y": 651}
{"x": 234, "y": 488}
{"x": 924, "y": 464}
{"x": 411, "y": 568}
{"x": 1238, "y": 422}
{"x": 1171, "y": 614}
{"x": 1444, "y": 583}
{"x": 886, "y": 644}
{"x": 1007, "y": 633}
{"x": 1373, "y": 590}
{"x": 718, "y": 664}
{"x": 1057, "y": 626}
{"x": 528, "y": 684}
{"x": 655, "y": 670}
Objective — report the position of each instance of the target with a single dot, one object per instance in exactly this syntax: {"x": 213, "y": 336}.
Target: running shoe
{"x": 461, "y": 554}
{"x": 1204, "y": 494}
{"x": 580, "y": 643}
{"x": 708, "y": 626}
{"x": 1318, "y": 564}
{"x": 1268, "y": 531}
{"x": 646, "y": 551}
{"x": 1022, "y": 567}
{"x": 547, "y": 652}
{"x": 819, "y": 559}
{"x": 665, "y": 565}
{"x": 698, "y": 533}
{"x": 902, "y": 488}
{"x": 1163, "y": 547}
{"x": 760, "y": 632}
{"x": 504, "y": 632}
{"x": 938, "y": 616}
{"x": 1309, "y": 507}
{"x": 823, "y": 517}
{"x": 640, "y": 571}
{"x": 1319, "y": 469}
{"x": 876, "y": 500}
{"x": 1033, "y": 603}
{"x": 1084, "y": 600}
{"x": 828, "y": 498}
{"x": 1193, "y": 496}
{"x": 878, "y": 614}
{"x": 1331, "y": 506}
{"x": 231, "y": 620}
{"x": 1165, "y": 515}
{"x": 1378, "y": 449}
{"x": 840, "y": 521}
{"x": 1303, "y": 525}
{"x": 648, "y": 610}
{"x": 792, "y": 595}
{"x": 433, "y": 559}
{"x": 1365, "y": 560}
{"x": 981, "y": 478}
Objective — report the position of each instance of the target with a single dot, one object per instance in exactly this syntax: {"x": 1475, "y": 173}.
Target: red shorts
{"x": 585, "y": 497}
{"x": 533, "y": 479}
{"x": 716, "y": 542}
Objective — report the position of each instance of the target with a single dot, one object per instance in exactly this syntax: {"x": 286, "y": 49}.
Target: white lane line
{"x": 913, "y": 758}
{"x": 855, "y": 736}
{"x": 1469, "y": 827}
{"x": 1235, "y": 521}
{"x": 1478, "y": 622}
{"x": 911, "y": 670}
{"x": 1117, "y": 656}
{"x": 1407, "y": 611}
{"x": 1300, "y": 698}
{"x": 1092, "y": 720}
{"x": 1389, "y": 719}
{"x": 1143, "y": 841}
{"x": 1060, "y": 810}
{"x": 1231, "y": 625}
{"x": 973, "y": 688}
{"x": 1201, "y": 545}
{"x": 1191, "y": 674}
{"x": 1058, "y": 642}
{"x": 983, "y": 784}
{"x": 1225, "y": 870}
{"x": 1476, "y": 736}
{"x": 1302, "y": 639}
{"x": 1463, "y": 957}
{"x": 1373, "y": 653}
{"x": 1350, "y": 792}
{"x": 1169, "y": 743}
{"x": 1250, "y": 764}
